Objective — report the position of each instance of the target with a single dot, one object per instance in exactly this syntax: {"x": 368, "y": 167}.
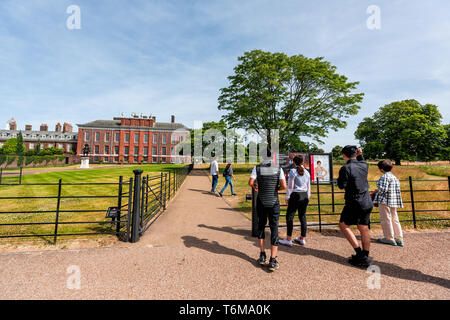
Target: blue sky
{"x": 172, "y": 57}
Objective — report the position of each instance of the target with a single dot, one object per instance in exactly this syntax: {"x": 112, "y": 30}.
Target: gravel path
{"x": 201, "y": 249}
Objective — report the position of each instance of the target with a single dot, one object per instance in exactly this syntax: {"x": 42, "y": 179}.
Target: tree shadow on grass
{"x": 387, "y": 269}
{"x": 217, "y": 248}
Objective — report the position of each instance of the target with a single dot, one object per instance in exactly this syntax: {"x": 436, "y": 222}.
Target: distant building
{"x": 132, "y": 140}
{"x": 62, "y": 139}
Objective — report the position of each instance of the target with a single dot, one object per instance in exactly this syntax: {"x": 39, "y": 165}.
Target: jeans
{"x": 228, "y": 182}
{"x": 215, "y": 181}
{"x": 295, "y": 204}
{"x": 273, "y": 213}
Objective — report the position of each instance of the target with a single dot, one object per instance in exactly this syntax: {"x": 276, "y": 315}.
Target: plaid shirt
{"x": 389, "y": 191}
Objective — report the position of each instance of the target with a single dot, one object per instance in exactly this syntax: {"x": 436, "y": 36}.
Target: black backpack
{"x": 226, "y": 172}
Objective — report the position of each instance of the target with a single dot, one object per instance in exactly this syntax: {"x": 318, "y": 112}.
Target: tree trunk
{"x": 398, "y": 162}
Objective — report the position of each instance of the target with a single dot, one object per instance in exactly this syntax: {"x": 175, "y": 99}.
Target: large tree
{"x": 300, "y": 96}
{"x": 403, "y": 130}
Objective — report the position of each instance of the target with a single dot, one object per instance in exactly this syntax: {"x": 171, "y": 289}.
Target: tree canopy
{"x": 403, "y": 130}
{"x": 300, "y": 96}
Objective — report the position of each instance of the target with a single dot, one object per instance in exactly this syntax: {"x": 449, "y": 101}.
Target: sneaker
{"x": 385, "y": 241}
{"x": 360, "y": 261}
{"x": 399, "y": 242}
{"x": 301, "y": 242}
{"x": 286, "y": 242}
{"x": 220, "y": 195}
{"x": 273, "y": 264}
{"x": 233, "y": 194}
{"x": 262, "y": 258}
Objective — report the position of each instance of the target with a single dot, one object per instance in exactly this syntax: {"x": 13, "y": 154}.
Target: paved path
{"x": 201, "y": 249}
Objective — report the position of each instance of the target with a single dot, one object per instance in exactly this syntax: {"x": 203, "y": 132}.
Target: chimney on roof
{"x": 58, "y": 127}
{"x": 67, "y": 127}
{"x": 28, "y": 127}
{"x": 173, "y": 119}
{"x": 13, "y": 125}
{"x": 43, "y": 127}
{"x": 154, "y": 118}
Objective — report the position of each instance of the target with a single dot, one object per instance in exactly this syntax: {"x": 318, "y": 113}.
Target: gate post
{"x": 254, "y": 214}
{"x": 136, "y": 206}
{"x": 413, "y": 206}
{"x": 119, "y": 205}
{"x": 318, "y": 204}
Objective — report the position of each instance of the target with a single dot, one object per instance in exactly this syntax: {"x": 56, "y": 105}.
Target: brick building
{"x": 132, "y": 140}
{"x": 62, "y": 137}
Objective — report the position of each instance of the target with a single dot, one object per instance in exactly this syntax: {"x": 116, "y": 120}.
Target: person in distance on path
{"x": 214, "y": 171}
{"x": 228, "y": 175}
{"x": 267, "y": 179}
{"x": 358, "y": 203}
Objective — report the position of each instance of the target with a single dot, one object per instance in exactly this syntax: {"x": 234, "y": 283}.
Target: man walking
{"x": 358, "y": 203}
{"x": 214, "y": 171}
{"x": 267, "y": 179}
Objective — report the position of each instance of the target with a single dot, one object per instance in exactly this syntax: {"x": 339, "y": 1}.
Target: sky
{"x": 172, "y": 57}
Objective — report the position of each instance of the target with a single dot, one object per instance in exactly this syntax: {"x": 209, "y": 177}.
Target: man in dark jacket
{"x": 358, "y": 203}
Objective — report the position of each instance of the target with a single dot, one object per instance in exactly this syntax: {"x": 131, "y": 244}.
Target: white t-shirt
{"x": 214, "y": 170}
{"x": 253, "y": 175}
{"x": 298, "y": 183}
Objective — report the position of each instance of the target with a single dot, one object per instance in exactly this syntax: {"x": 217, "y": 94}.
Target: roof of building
{"x": 55, "y": 136}
{"x": 116, "y": 124}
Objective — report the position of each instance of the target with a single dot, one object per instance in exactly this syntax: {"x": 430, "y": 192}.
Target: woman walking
{"x": 228, "y": 174}
{"x": 297, "y": 198}
{"x": 389, "y": 198}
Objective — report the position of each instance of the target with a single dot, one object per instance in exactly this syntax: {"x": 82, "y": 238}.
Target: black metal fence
{"x": 150, "y": 197}
{"x": 326, "y": 205}
{"x": 10, "y": 177}
{"x": 132, "y": 205}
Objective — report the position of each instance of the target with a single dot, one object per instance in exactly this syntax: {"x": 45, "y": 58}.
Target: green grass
{"x": 100, "y": 175}
{"x": 441, "y": 171}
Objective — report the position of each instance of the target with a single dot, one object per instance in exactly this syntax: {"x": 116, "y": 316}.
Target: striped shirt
{"x": 389, "y": 191}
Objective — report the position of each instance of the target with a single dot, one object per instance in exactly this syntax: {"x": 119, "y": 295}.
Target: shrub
{"x": 29, "y": 160}
{"x": 10, "y": 160}
{"x": 20, "y": 161}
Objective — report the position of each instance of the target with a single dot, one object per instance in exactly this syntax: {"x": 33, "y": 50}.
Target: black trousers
{"x": 298, "y": 201}
{"x": 271, "y": 213}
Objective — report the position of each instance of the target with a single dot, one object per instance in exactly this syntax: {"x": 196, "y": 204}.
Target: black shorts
{"x": 352, "y": 215}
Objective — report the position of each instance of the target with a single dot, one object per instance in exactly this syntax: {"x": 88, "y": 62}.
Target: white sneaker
{"x": 300, "y": 241}
{"x": 286, "y": 242}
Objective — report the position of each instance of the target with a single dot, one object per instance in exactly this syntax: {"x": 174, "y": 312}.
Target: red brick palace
{"x": 132, "y": 140}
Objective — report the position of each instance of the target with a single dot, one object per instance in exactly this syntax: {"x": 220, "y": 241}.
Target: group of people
{"x": 267, "y": 179}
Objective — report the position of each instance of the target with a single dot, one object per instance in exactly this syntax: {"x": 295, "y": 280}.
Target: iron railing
{"x": 319, "y": 212}
{"x": 129, "y": 213}
{"x": 11, "y": 177}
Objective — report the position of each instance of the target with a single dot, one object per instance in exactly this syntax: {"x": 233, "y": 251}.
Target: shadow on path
{"x": 202, "y": 191}
{"x": 387, "y": 269}
{"x": 217, "y": 248}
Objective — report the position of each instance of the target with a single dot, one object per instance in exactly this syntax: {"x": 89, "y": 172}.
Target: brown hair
{"x": 298, "y": 160}
{"x": 385, "y": 165}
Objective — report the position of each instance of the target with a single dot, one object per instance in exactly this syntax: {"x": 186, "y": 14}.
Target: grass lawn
{"x": 95, "y": 175}
{"x": 242, "y": 174}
